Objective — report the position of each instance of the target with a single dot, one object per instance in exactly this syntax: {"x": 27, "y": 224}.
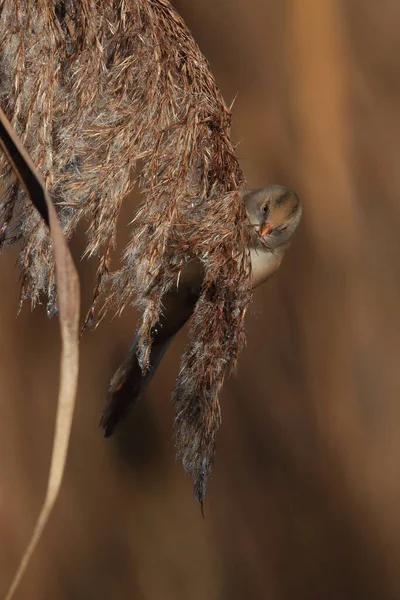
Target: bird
{"x": 274, "y": 213}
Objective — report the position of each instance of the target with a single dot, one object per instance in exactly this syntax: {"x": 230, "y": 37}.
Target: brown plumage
{"x": 274, "y": 213}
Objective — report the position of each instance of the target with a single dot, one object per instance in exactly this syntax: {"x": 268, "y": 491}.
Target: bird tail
{"x": 128, "y": 384}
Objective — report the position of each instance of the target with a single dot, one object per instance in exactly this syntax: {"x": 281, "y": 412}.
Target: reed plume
{"x": 111, "y": 95}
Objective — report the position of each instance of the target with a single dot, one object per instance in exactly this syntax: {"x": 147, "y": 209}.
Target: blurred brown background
{"x": 305, "y": 496}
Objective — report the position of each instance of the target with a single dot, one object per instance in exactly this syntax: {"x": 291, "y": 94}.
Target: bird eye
{"x": 265, "y": 209}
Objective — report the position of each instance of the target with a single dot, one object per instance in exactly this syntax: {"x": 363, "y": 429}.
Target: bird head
{"x": 274, "y": 212}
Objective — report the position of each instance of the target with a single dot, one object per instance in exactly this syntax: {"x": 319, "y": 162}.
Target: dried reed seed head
{"x": 98, "y": 92}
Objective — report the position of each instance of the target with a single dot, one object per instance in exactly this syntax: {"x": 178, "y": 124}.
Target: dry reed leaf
{"x": 69, "y": 304}
{"x": 105, "y": 96}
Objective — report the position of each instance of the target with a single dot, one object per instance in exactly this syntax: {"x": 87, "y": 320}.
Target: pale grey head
{"x": 275, "y": 213}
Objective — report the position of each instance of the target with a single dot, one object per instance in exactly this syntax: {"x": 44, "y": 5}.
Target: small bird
{"x": 274, "y": 212}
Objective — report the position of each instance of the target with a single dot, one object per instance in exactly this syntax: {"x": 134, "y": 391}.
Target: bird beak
{"x": 265, "y": 229}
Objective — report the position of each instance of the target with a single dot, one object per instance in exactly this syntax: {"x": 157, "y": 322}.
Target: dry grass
{"x": 104, "y": 99}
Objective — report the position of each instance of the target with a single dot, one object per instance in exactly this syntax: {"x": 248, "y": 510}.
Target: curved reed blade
{"x": 69, "y": 305}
